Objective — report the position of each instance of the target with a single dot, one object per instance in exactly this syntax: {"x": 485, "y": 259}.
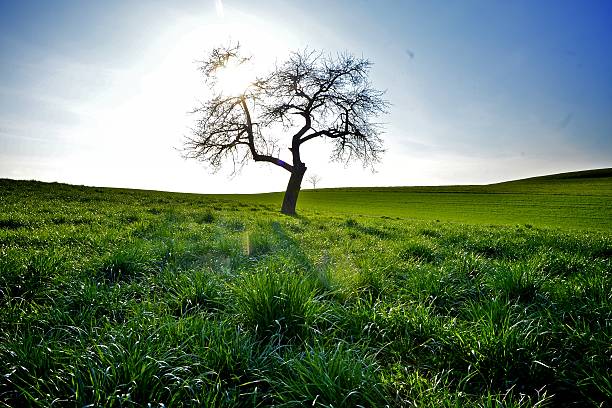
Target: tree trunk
{"x": 293, "y": 190}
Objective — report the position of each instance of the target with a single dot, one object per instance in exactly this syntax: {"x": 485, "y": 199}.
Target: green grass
{"x": 581, "y": 200}
{"x": 120, "y": 298}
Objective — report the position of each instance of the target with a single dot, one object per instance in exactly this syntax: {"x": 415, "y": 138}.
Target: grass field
{"x": 579, "y": 200}
{"x": 127, "y": 298}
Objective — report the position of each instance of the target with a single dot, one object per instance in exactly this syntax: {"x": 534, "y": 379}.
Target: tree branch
{"x": 251, "y": 143}
{"x": 331, "y": 94}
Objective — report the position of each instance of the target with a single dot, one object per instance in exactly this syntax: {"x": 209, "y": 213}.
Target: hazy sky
{"x": 98, "y": 93}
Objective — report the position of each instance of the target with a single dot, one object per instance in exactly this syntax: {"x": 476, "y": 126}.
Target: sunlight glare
{"x": 235, "y": 78}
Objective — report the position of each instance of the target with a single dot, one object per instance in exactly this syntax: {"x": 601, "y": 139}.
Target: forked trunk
{"x": 293, "y": 190}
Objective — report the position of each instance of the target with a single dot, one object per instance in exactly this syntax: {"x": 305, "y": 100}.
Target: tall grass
{"x": 275, "y": 302}
{"x": 126, "y": 298}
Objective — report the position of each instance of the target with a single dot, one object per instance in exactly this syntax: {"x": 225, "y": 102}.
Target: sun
{"x": 235, "y": 78}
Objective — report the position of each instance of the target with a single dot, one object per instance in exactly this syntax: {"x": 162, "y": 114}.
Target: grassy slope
{"x": 122, "y": 298}
{"x": 580, "y": 200}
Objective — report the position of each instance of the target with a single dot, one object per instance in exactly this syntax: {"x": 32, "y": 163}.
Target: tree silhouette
{"x": 309, "y": 96}
{"x": 314, "y": 180}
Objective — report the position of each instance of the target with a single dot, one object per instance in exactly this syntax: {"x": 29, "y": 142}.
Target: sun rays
{"x": 235, "y": 78}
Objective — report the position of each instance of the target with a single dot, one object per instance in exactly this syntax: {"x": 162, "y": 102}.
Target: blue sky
{"x": 97, "y": 93}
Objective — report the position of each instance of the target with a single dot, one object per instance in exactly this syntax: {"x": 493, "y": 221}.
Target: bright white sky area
{"x": 100, "y": 93}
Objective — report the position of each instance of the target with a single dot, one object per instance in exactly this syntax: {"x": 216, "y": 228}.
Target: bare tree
{"x": 314, "y": 179}
{"x": 309, "y": 96}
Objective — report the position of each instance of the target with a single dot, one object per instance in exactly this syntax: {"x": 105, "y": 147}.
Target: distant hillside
{"x": 588, "y": 182}
{"x": 583, "y": 174}
{"x": 577, "y": 200}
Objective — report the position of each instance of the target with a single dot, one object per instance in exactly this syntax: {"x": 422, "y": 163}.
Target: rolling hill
{"x": 577, "y": 200}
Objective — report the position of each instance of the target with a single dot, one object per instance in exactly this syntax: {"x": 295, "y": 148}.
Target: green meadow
{"x": 579, "y": 200}
{"x": 459, "y": 296}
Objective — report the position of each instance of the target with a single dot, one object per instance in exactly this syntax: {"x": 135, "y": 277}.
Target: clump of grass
{"x": 90, "y": 302}
{"x": 340, "y": 280}
{"x": 273, "y": 302}
{"x": 195, "y": 291}
{"x": 355, "y": 226}
{"x": 373, "y": 282}
{"x": 505, "y": 347}
{"x": 414, "y": 388}
{"x": 128, "y": 368}
{"x": 406, "y": 332}
{"x": 350, "y": 223}
{"x": 154, "y": 210}
{"x": 205, "y": 217}
{"x": 129, "y": 218}
{"x": 417, "y": 250}
{"x": 223, "y": 351}
{"x": 558, "y": 263}
{"x": 11, "y": 223}
{"x": 374, "y": 275}
{"x": 602, "y": 249}
{"x": 430, "y": 233}
{"x": 127, "y": 263}
{"x": 33, "y": 367}
{"x": 492, "y": 245}
{"x": 519, "y": 282}
{"x": 446, "y": 288}
{"x": 27, "y": 275}
{"x": 257, "y": 243}
{"x": 234, "y": 224}
{"x": 173, "y": 363}
{"x": 338, "y": 377}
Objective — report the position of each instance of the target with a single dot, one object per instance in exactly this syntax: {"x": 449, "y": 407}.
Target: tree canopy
{"x": 309, "y": 96}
